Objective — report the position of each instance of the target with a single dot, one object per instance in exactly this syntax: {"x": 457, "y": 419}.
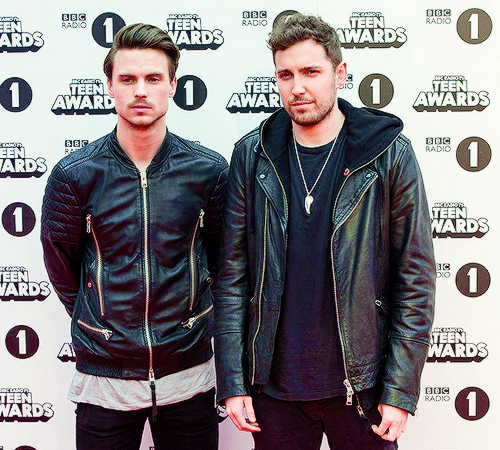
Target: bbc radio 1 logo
{"x": 450, "y": 344}
{"x": 74, "y": 20}
{"x": 15, "y": 164}
{"x": 260, "y": 95}
{"x": 15, "y": 285}
{"x": 72, "y": 145}
{"x": 471, "y": 403}
{"x": 17, "y": 405}
{"x": 437, "y": 394}
{"x": 451, "y": 219}
{"x": 14, "y": 40}
{"x": 369, "y": 30}
{"x": 254, "y": 18}
{"x": 451, "y": 93}
{"x": 438, "y": 144}
{"x": 438, "y": 17}
{"x": 87, "y": 96}
{"x": 187, "y": 32}
{"x": 473, "y": 153}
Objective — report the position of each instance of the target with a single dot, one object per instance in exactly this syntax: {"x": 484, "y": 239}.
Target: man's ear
{"x": 341, "y": 74}
{"x": 173, "y": 85}
{"x": 110, "y": 89}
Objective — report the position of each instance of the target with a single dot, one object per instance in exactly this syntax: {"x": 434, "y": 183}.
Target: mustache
{"x": 140, "y": 103}
{"x": 294, "y": 99}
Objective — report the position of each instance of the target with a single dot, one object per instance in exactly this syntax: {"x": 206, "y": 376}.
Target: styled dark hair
{"x": 292, "y": 28}
{"x": 143, "y": 36}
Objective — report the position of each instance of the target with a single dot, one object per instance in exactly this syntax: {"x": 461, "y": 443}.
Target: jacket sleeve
{"x": 232, "y": 293}
{"x": 413, "y": 274}
{"x": 213, "y": 219}
{"x": 61, "y": 236}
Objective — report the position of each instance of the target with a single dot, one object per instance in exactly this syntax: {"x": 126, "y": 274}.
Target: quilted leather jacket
{"x": 132, "y": 255}
{"x": 381, "y": 259}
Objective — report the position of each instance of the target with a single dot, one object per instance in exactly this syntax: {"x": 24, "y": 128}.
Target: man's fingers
{"x": 235, "y": 407}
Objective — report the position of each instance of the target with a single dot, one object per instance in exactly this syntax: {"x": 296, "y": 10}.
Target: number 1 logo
{"x": 474, "y": 26}
{"x": 376, "y": 91}
{"x": 472, "y": 403}
{"x": 15, "y": 94}
{"x": 105, "y": 27}
{"x": 18, "y": 219}
{"x": 22, "y": 342}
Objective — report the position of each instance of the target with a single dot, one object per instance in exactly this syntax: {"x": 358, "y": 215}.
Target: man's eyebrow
{"x": 302, "y": 69}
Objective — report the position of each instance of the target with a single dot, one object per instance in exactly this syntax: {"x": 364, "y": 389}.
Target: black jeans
{"x": 188, "y": 425}
{"x": 290, "y": 425}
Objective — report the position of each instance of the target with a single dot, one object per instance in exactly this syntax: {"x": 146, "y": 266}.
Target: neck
{"x": 140, "y": 144}
{"x": 321, "y": 133}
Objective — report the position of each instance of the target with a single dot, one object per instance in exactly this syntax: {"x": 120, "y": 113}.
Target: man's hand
{"x": 234, "y": 409}
{"x": 393, "y": 423}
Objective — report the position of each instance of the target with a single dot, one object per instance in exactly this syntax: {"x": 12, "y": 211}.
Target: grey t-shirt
{"x": 127, "y": 395}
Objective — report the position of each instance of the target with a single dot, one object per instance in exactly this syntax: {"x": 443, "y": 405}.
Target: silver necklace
{"x": 309, "y": 198}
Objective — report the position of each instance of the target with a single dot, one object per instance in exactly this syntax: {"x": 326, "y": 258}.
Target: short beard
{"x": 312, "y": 118}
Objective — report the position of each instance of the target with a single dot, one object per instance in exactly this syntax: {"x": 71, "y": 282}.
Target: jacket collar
{"x": 158, "y": 159}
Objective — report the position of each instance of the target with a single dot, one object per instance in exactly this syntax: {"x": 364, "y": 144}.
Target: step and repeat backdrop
{"x": 434, "y": 63}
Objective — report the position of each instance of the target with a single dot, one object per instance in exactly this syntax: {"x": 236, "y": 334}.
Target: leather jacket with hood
{"x": 132, "y": 255}
{"x": 381, "y": 256}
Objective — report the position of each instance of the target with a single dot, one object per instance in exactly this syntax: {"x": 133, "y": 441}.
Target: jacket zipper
{"x": 347, "y": 383}
{"x": 147, "y": 279}
{"x": 261, "y": 287}
{"x": 100, "y": 296}
{"x": 104, "y": 331}
{"x": 259, "y": 298}
{"x": 192, "y": 320}
{"x": 192, "y": 260}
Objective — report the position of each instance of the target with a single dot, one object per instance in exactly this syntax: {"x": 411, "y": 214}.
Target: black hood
{"x": 369, "y": 132}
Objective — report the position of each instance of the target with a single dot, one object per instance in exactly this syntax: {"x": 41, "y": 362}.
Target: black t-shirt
{"x": 307, "y": 362}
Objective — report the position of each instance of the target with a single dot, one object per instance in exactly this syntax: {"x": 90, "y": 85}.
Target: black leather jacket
{"x": 381, "y": 254}
{"x": 132, "y": 255}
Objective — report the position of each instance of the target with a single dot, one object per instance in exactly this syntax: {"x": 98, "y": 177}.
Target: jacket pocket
{"x": 191, "y": 321}
{"x": 98, "y": 268}
{"x": 104, "y": 332}
{"x": 193, "y": 261}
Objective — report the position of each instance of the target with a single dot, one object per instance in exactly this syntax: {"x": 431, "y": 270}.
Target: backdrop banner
{"x": 434, "y": 64}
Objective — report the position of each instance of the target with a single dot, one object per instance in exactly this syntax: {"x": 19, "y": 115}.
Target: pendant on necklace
{"x": 308, "y": 202}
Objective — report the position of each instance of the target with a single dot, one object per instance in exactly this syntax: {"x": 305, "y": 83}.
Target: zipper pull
{"x": 154, "y": 411}
{"x": 202, "y": 223}
{"x": 144, "y": 180}
{"x": 350, "y": 392}
{"x": 107, "y": 334}
{"x": 189, "y": 322}
{"x": 88, "y": 222}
